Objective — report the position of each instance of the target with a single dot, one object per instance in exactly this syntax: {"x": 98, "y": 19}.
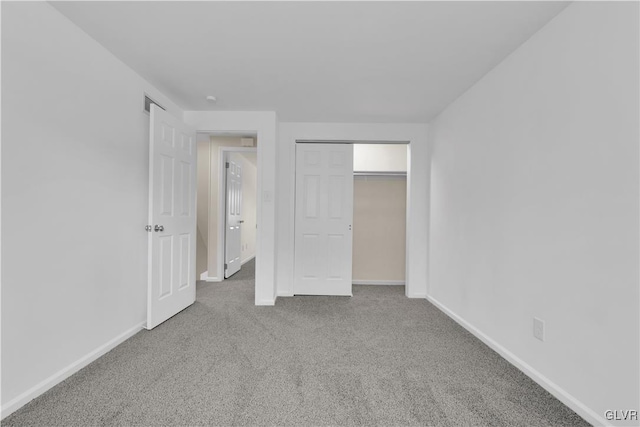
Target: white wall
{"x": 249, "y": 207}
{"x": 534, "y": 208}
{"x": 74, "y": 199}
{"x": 417, "y": 188}
{"x": 380, "y": 157}
{"x": 264, "y": 124}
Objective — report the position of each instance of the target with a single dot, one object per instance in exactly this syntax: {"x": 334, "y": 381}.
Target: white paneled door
{"x": 172, "y": 217}
{"x": 233, "y": 236}
{"x": 323, "y": 219}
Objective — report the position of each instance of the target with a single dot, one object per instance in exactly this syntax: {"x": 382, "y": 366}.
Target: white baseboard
{"x": 266, "y": 302}
{"x": 249, "y": 258}
{"x": 35, "y": 391}
{"x": 285, "y": 294}
{"x": 212, "y": 279}
{"x": 416, "y": 296}
{"x": 379, "y": 282}
{"x": 559, "y": 393}
{"x": 204, "y": 275}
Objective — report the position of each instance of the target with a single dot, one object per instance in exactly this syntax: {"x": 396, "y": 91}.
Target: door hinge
{"x": 225, "y": 265}
{"x": 226, "y": 165}
{"x": 148, "y": 228}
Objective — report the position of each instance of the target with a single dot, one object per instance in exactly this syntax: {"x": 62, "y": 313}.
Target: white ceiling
{"x": 313, "y": 61}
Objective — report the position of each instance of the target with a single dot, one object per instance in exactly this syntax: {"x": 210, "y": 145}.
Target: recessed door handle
{"x": 240, "y": 222}
{"x": 158, "y": 228}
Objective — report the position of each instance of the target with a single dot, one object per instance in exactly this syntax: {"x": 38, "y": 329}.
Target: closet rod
{"x": 378, "y": 173}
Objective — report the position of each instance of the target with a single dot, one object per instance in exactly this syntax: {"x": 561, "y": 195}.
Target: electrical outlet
{"x": 538, "y": 328}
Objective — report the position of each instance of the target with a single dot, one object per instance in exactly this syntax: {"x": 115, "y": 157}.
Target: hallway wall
{"x": 249, "y": 204}
{"x": 202, "y": 208}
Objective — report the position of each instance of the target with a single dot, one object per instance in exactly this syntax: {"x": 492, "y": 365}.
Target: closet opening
{"x": 379, "y": 214}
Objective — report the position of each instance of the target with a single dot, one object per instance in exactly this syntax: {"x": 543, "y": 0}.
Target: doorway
{"x": 227, "y": 203}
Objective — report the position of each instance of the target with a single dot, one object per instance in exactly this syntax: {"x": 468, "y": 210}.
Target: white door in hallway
{"x": 233, "y": 199}
{"x": 323, "y": 219}
{"x": 172, "y": 217}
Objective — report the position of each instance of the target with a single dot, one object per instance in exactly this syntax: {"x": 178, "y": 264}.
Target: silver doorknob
{"x": 158, "y": 228}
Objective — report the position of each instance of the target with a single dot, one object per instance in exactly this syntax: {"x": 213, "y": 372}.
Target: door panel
{"x": 166, "y": 186}
{"x": 311, "y": 195}
{"x": 185, "y": 260}
{"x": 165, "y": 244}
{"x": 172, "y": 199}
{"x": 185, "y": 182}
{"x": 336, "y": 246}
{"x": 323, "y": 218}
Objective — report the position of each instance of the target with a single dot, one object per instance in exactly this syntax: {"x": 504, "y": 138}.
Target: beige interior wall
{"x": 212, "y": 251}
{"x": 379, "y": 213}
{"x": 379, "y": 228}
{"x": 201, "y": 255}
{"x": 249, "y": 205}
{"x": 202, "y": 208}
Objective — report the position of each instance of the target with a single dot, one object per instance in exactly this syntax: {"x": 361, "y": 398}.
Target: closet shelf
{"x": 379, "y": 173}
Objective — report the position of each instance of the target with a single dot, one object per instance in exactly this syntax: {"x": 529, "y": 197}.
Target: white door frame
{"x": 223, "y": 153}
{"x": 264, "y": 124}
{"x": 408, "y": 210}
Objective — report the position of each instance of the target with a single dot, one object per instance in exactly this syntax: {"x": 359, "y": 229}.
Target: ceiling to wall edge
{"x": 229, "y": 134}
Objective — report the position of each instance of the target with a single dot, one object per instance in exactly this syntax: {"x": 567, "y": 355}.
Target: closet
{"x": 379, "y": 214}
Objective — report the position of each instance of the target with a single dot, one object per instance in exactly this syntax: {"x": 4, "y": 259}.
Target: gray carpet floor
{"x": 377, "y": 358}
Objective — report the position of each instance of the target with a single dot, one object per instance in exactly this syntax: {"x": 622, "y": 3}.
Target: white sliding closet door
{"x": 323, "y": 219}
